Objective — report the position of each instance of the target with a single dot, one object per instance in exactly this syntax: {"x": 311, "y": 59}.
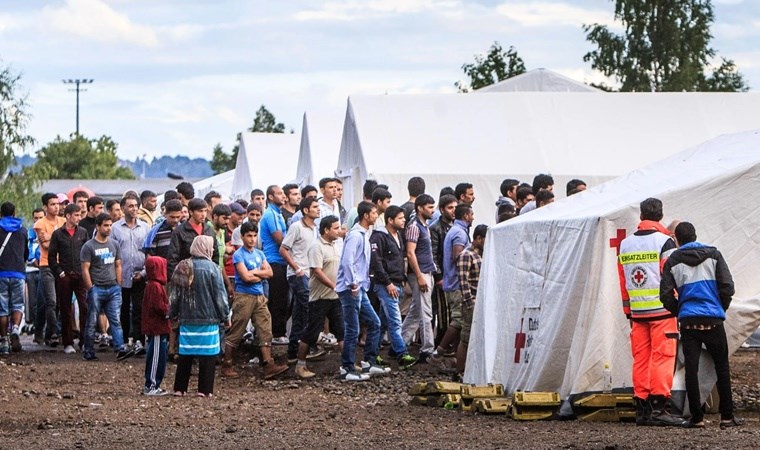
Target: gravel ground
{"x": 52, "y": 400}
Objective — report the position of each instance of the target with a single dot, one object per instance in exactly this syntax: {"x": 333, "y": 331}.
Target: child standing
{"x": 199, "y": 303}
{"x": 155, "y": 325}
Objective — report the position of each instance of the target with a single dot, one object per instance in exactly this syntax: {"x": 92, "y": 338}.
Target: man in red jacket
{"x": 155, "y": 325}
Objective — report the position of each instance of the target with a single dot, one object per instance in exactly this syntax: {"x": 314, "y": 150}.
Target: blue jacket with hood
{"x": 16, "y": 252}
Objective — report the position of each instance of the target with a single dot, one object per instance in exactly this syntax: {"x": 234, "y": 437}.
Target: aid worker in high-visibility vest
{"x": 654, "y": 330}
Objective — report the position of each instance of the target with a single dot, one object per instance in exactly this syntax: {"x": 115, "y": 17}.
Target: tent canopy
{"x": 320, "y": 144}
{"x": 264, "y": 159}
{"x": 548, "y": 314}
{"x": 482, "y": 139}
{"x": 539, "y": 80}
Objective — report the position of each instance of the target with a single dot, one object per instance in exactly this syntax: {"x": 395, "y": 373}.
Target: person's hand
{"x": 228, "y": 324}
{"x": 354, "y": 290}
{"x": 422, "y": 283}
{"x": 299, "y": 272}
{"x": 392, "y": 290}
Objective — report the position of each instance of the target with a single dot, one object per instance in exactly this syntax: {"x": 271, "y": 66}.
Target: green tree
{"x": 497, "y": 65}
{"x": 19, "y": 187}
{"x": 665, "y": 47}
{"x": 80, "y": 158}
{"x": 263, "y": 122}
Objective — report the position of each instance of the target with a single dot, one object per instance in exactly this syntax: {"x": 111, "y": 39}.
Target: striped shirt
{"x": 468, "y": 270}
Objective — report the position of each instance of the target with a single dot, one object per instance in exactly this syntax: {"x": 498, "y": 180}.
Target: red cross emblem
{"x": 638, "y": 276}
{"x": 519, "y": 342}
{"x": 615, "y": 242}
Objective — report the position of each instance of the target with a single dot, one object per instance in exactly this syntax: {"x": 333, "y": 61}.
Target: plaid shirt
{"x": 468, "y": 270}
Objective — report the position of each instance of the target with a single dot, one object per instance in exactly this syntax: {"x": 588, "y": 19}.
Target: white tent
{"x": 221, "y": 183}
{"x": 320, "y": 144}
{"x": 548, "y": 314}
{"x": 482, "y": 139}
{"x": 536, "y": 80}
{"x": 264, "y": 159}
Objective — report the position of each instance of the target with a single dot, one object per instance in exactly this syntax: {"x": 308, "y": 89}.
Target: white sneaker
{"x": 327, "y": 339}
{"x": 157, "y": 392}
{"x": 282, "y": 340}
{"x": 69, "y": 350}
{"x": 374, "y": 370}
{"x": 352, "y": 376}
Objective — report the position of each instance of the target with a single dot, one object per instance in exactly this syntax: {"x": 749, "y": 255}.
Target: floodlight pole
{"x": 77, "y": 82}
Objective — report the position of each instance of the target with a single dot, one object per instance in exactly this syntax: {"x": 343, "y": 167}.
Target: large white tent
{"x": 264, "y": 159}
{"x": 320, "y": 143}
{"x": 538, "y": 80}
{"x": 221, "y": 183}
{"x": 548, "y": 315}
{"x": 482, "y": 139}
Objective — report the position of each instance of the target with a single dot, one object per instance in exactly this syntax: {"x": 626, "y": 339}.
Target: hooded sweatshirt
{"x": 155, "y": 308}
{"x": 703, "y": 281}
{"x": 16, "y": 252}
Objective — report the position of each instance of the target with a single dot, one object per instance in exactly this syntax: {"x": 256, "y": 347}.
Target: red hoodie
{"x": 155, "y": 307}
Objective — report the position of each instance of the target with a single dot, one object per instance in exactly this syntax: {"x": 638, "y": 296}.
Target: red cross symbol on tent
{"x": 615, "y": 242}
{"x": 519, "y": 342}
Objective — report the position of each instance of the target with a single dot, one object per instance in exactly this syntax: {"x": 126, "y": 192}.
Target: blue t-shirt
{"x": 271, "y": 222}
{"x": 457, "y": 235}
{"x": 253, "y": 259}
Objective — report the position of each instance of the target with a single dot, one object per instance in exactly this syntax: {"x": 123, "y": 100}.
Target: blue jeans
{"x": 393, "y": 317}
{"x": 107, "y": 300}
{"x": 156, "y": 354}
{"x": 357, "y": 309}
{"x": 299, "y": 317}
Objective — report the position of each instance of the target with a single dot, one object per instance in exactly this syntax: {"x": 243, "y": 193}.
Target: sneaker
{"x": 315, "y": 353}
{"x": 15, "y": 340}
{"x": 155, "y": 392}
{"x": 53, "y": 341}
{"x": 282, "y": 340}
{"x": 327, "y": 339}
{"x": 89, "y": 356}
{"x": 97, "y": 339}
{"x": 424, "y": 357}
{"x": 304, "y": 372}
{"x": 4, "y": 348}
{"x": 139, "y": 349}
{"x": 374, "y": 369}
{"x": 69, "y": 349}
{"x": 105, "y": 341}
{"x": 735, "y": 422}
{"x": 379, "y": 361}
{"x": 125, "y": 353}
{"x": 352, "y": 375}
{"x": 406, "y": 361}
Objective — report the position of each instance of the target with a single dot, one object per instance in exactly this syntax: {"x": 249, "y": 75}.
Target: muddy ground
{"x": 53, "y": 400}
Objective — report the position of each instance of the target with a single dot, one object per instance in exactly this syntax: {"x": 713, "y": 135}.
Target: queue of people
{"x": 196, "y": 277}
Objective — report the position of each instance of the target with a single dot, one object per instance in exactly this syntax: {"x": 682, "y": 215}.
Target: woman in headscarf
{"x": 199, "y": 303}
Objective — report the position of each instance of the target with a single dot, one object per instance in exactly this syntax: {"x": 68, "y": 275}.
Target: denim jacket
{"x": 205, "y": 301}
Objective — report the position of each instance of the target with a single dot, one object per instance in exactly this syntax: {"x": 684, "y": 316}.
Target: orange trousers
{"x": 654, "y": 346}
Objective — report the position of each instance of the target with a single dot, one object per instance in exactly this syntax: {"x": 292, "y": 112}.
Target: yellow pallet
{"x": 470, "y": 391}
{"x": 528, "y": 413}
{"x": 608, "y": 415}
{"x": 419, "y": 400}
{"x": 535, "y": 399}
{"x": 443, "y": 387}
{"x": 605, "y": 401}
{"x": 442, "y": 400}
{"x": 492, "y": 405}
{"x": 418, "y": 388}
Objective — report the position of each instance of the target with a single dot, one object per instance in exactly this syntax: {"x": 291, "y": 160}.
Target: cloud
{"x": 95, "y": 20}
{"x": 545, "y": 14}
{"x": 356, "y": 9}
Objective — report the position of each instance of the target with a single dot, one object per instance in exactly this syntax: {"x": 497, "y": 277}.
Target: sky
{"x": 176, "y": 77}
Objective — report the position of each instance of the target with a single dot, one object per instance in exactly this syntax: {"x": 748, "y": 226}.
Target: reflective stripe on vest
{"x": 640, "y": 258}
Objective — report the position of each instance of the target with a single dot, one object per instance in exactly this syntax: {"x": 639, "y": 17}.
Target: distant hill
{"x": 157, "y": 168}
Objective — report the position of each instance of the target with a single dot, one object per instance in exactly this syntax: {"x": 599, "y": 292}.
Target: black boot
{"x": 659, "y": 416}
{"x": 643, "y": 411}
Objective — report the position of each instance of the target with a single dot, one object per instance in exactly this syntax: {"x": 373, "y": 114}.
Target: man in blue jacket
{"x": 14, "y": 251}
{"x": 704, "y": 285}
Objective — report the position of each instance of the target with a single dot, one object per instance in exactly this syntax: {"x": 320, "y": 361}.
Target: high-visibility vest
{"x": 641, "y": 258}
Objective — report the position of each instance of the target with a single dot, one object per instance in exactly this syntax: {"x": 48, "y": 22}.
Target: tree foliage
{"x": 497, "y": 65}
{"x": 665, "y": 47}
{"x": 80, "y": 158}
{"x": 18, "y": 187}
{"x": 263, "y": 122}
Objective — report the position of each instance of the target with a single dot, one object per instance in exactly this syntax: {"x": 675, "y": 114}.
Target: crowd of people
{"x": 195, "y": 278}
